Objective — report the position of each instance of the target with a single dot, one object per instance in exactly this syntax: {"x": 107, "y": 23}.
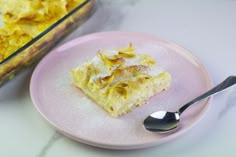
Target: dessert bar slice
{"x": 119, "y": 80}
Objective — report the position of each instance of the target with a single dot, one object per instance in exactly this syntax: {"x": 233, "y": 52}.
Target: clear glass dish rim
{"x": 42, "y": 34}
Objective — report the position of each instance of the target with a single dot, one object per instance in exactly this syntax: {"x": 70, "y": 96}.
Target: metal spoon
{"x": 163, "y": 121}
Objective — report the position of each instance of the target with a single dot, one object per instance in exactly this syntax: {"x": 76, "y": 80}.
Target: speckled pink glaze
{"x": 76, "y": 116}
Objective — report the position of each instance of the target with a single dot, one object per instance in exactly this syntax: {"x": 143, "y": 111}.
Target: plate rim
{"x": 117, "y": 146}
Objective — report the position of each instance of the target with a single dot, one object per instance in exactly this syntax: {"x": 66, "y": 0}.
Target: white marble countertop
{"x": 205, "y": 27}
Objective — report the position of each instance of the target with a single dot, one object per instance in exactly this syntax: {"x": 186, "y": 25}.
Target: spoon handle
{"x": 231, "y": 80}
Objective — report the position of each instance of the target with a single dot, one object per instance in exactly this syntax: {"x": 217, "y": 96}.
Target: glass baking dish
{"x": 36, "y": 48}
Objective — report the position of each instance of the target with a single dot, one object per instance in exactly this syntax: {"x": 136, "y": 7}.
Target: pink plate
{"x": 76, "y": 116}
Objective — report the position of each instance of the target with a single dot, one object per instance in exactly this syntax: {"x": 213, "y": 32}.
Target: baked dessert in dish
{"x": 30, "y": 28}
{"x": 25, "y": 19}
{"x": 119, "y": 80}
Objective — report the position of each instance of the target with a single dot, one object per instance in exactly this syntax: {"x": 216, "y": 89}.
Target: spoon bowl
{"x": 167, "y": 121}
